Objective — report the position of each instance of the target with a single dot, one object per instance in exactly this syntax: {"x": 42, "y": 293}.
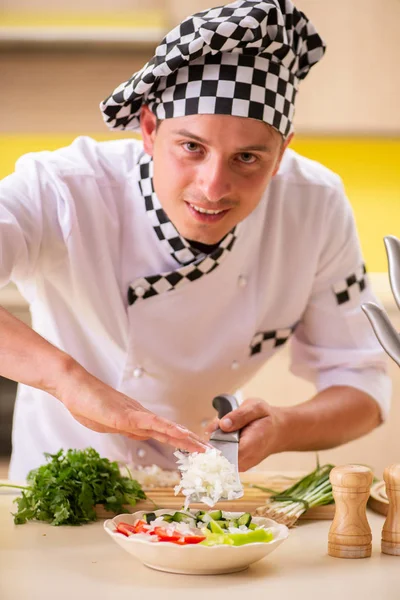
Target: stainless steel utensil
{"x": 227, "y": 443}
{"x": 383, "y": 328}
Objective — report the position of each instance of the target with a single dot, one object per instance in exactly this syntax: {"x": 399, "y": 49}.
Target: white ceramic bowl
{"x": 195, "y": 559}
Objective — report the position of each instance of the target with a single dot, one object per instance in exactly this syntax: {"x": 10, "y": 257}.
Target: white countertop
{"x": 38, "y": 561}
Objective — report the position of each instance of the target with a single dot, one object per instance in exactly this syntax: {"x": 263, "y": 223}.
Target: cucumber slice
{"x": 149, "y": 517}
{"x": 244, "y": 519}
{"x": 200, "y": 517}
{"x": 252, "y": 526}
{"x": 222, "y": 523}
{"x": 167, "y": 518}
{"x": 181, "y": 517}
{"x": 216, "y": 515}
{"x": 214, "y": 527}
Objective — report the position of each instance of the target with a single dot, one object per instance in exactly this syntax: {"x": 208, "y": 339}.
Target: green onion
{"x": 286, "y": 507}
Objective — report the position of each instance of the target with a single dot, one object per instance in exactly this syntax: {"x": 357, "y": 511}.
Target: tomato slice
{"x": 126, "y": 529}
{"x": 163, "y": 534}
{"x": 138, "y": 527}
{"x": 176, "y": 537}
{"x": 194, "y": 539}
{"x": 141, "y": 527}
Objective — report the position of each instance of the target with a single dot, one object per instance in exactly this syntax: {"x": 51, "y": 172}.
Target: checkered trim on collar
{"x": 193, "y": 263}
{"x": 268, "y": 340}
{"x": 165, "y": 230}
{"x": 347, "y": 289}
{"x": 147, "y": 287}
{"x": 208, "y": 60}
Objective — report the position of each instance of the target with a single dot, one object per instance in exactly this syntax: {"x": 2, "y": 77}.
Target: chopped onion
{"x": 207, "y": 477}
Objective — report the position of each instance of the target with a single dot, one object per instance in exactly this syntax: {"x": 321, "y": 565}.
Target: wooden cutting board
{"x": 253, "y": 498}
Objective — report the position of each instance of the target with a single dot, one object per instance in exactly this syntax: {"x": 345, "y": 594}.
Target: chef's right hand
{"x": 99, "y": 407}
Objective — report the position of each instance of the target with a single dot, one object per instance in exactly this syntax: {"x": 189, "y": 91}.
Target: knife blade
{"x": 227, "y": 443}
{"x": 384, "y": 330}
{"x": 392, "y": 245}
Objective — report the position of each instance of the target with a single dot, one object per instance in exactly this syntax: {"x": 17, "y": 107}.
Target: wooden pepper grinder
{"x": 350, "y": 534}
{"x": 391, "y": 527}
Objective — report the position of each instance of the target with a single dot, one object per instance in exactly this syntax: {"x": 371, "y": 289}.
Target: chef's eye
{"x": 191, "y": 146}
{"x": 247, "y": 158}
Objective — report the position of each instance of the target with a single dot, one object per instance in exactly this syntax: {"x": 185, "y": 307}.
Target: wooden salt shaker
{"x": 350, "y": 534}
{"x": 391, "y": 529}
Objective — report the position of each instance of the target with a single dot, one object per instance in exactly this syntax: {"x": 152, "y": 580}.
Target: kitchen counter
{"x": 38, "y": 561}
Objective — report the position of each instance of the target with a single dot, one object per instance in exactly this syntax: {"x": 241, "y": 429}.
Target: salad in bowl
{"x": 196, "y": 542}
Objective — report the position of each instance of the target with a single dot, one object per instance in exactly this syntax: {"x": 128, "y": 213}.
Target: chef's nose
{"x": 214, "y": 180}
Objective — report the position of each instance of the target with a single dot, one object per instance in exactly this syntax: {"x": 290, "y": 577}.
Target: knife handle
{"x": 224, "y": 404}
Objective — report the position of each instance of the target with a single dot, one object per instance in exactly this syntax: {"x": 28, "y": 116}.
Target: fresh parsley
{"x": 66, "y": 489}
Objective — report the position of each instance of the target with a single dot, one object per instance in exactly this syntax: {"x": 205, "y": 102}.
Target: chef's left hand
{"x": 260, "y": 426}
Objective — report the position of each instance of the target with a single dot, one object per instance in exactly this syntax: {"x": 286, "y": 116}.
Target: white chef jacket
{"x": 77, "y": 238}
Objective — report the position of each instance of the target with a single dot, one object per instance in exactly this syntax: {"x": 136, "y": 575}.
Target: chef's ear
{"x": 148, "y": 126}
{"x": 284, "y": 145}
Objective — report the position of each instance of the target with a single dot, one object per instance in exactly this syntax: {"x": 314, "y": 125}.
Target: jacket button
{"x": 140, "y": 291}
{"x": 242, "y": 281}
{"x": 234, "y": 365}
{"x": 138, "y": 372}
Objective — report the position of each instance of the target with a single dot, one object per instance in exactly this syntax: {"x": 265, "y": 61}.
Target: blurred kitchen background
{"x": 58, "y": 60}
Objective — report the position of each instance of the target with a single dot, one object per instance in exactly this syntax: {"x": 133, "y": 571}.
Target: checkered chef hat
{"x": 243, "y": 59}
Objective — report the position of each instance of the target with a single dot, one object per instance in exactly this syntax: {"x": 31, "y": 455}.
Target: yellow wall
{"x": 370, "y": 169}
{"x": 121, "y": 19}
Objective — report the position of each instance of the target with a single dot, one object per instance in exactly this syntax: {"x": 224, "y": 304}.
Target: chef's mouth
{"x": 206, "y": 215}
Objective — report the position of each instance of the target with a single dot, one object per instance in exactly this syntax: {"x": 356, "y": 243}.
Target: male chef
{"x": 163, "y": 272}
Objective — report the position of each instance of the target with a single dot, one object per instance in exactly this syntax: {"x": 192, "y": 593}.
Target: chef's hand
{"x": 259, "y": 424}
{"x": 101, "y": 408}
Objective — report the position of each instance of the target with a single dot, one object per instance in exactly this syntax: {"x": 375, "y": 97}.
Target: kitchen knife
{"x": 383, "y": 328}
{"x": 392, "y": 245}
{"x": 227, "y": 443}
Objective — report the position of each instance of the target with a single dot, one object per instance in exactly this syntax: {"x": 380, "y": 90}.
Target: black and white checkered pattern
{"x": 193, "y": 263}
{"x": 350, "y": 288}
{"x": 165, "y": 230}
{"x": 268, "y": 340}
{"x": 243, "y": 59}
{"x": 231, "y": 84}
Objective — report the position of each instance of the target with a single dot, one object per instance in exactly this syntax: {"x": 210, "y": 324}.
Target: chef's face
{"x": 210, "y": 171}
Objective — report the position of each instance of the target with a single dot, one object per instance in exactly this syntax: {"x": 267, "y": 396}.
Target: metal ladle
{"x": 383, "y": 328}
